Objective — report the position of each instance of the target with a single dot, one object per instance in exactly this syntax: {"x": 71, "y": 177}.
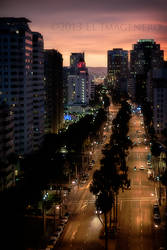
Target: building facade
{"x": 54, "y": 91}
{"x": 17, "y": 79}
{"x": 157, "y": 95}
{"x": 75, "y": 58}
{"x": 79, "y": 87}
{"x": 117, "y": 68}
{"x": 146, "y": 55}
{"x": 7, "y": 170}
{"x": 38, "y": 90}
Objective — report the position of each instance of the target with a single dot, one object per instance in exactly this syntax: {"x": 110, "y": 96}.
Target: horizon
{"x": 92, "y": 27}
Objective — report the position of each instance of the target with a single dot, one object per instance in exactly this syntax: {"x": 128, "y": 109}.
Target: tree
{"x": 101, "y": 188}
{"x": 164, "y": 181}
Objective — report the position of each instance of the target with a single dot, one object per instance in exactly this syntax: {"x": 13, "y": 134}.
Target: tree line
{"x": 113, "y": 173}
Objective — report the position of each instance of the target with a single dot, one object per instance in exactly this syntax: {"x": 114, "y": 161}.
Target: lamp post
{"x": 44, "y": 198}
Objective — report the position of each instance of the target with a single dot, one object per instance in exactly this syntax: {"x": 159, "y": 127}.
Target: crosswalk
{"x": 139, "y": 199}
{"x": 92, "y": 201}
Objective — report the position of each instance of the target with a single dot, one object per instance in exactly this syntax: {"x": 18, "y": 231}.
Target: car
{"x": 157, "y": 217}
{"x": 66, "y": 215}
{"x": 141, "y": 167}
{"x": 61, "y": 225}
{"x": 90, "y": 167}
{"x": 148, "y": 163}
{"x": 156, "y": 209}
{"x": 51, "y": 244}
{"x": 64, "y": 219}
{"x": 85, "y": 176}
{"x": 57, "y": 232}
{"x": 55, "y": 237}
{"x": 98, "y": 211}
{"x": 59, "y": 229}
{"x": 155, "y": 205}
{"x": 83, "y": 181}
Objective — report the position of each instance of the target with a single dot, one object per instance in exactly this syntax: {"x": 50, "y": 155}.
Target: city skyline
{"x": 93, "y": 27}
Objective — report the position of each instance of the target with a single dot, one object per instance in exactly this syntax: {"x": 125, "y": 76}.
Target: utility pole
{"x": 44, "y": 218}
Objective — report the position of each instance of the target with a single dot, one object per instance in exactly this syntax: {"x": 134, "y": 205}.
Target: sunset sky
{"x": 92, "y": 26}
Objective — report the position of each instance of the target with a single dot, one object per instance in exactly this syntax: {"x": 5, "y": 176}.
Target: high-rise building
{"x": 66, "y": 73}
{"x": 38, "y": 90}
{"x": 145, "y": 56}
{"x": 75, "y": 58}
{"x": 78, "y": 81}
{"x": 7, "y": 176}
{"x": 117, "y": 68}
{"x": 17, "y": 79}
{"x": 54, "y": 90}
{"x": 157, "y": 95}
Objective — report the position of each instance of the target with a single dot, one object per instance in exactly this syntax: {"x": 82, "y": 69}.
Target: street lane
{"x": 135, "y": 217}
{"x": 83, "y": 229}
{"x": 136, "y": 229}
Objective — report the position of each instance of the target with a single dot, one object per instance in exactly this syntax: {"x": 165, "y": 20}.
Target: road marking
{"x": 84, "y": 205}
{"x": 141, "y": 199}
{"x": 84, "y": 201}
{"x": 121, "y": 205}
{"x": 73, "y": 235}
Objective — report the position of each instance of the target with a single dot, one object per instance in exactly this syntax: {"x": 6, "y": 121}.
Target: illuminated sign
{"x": 81, "y": 65}
{"x": 67, "y": 117}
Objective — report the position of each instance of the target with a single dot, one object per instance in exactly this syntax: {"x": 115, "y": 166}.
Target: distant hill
{"x": 101, "y": 71}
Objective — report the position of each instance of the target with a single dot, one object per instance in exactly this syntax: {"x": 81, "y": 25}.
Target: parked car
{"x": 66, "y": 215}
{"x": 156, "y": 209}
{"x": 141, "y": 167}
{"x": 157, "y": 217}
{"x": 61, "y": 225}
{"x": 51, "y": 244}
{"x": 59, "y": 229}
{"x": 56, "y": 233}
{"x": 64, "y": 220}
{"x": 55, "y": 237}
{"x": 83, "y": 181}
{"x": 148, "y": 163}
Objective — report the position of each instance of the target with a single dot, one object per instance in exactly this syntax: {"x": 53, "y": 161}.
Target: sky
{"x": 92, "y": 26}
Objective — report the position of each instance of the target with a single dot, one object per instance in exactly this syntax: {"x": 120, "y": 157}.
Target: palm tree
{"x": 100, "y": 187}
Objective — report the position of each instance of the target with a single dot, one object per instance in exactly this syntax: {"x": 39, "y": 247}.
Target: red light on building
{"x": 81, "y": 65}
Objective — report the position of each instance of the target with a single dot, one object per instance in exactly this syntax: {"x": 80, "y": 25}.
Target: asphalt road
{"x": 135, "y": 213}
{"x": 83, "y": 229}
{"x": 137, "y": 229}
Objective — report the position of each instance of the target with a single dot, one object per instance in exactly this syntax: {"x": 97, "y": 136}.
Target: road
{"x": 135, "y": 213}
{"x": 83, "y": 229}
{"x": 137, "y": 229}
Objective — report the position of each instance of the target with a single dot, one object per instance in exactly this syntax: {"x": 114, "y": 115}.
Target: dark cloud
{"x": 54, "y": 6}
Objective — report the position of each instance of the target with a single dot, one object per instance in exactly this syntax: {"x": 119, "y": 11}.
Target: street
{"x": 135, "y": 206}
{"x": 83, "y": 229}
